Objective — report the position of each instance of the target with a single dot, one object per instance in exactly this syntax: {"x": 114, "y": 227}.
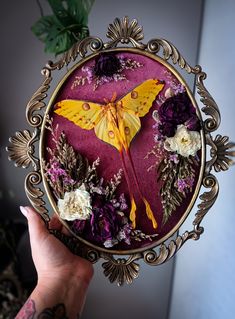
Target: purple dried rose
{"x": 106, "y": 64}
{"x": 167, "y": 129}
{"x": 176, "y": 110}
{"x": 193, "y": 124}
{"x": 105, "y": 223}
{"x": 79, "y": 225}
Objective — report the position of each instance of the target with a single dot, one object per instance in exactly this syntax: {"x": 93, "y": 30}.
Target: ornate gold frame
{"x": 22, "y": 149}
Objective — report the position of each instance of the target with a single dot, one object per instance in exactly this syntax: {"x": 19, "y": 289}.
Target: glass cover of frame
{"x": 122, "y": 150}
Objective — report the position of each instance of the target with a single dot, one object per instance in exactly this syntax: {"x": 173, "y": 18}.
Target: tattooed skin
{"x": 29, "y": 311}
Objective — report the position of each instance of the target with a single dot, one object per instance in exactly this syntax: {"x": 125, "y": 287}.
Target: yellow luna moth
{"x": 116, "y": 123}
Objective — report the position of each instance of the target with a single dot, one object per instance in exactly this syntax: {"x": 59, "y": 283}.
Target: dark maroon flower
{"x": 176, "y": 110}
{"x": 105, "y": 223}
{"x": 79, "y": 225}
{"x": 167, "y": 129}
{"x": 106, "y": 64}
{"x": 193, "y": 124}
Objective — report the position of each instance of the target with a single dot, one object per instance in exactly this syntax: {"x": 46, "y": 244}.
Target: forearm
{"x": 50, "y": 299}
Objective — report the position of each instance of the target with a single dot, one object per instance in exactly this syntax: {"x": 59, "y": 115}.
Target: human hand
{"x": 53, "y": 261}
{"x": 63, "y": 278}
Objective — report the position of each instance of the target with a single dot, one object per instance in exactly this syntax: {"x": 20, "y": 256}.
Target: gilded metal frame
{"x": 123, "y": 32}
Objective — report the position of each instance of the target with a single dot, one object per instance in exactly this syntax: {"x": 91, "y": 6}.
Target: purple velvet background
{"x": 90, "y": 146}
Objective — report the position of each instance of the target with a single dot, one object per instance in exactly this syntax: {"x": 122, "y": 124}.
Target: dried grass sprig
{"x": 139, "y": 236}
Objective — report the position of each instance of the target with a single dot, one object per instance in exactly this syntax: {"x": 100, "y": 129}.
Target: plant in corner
{"x": 67, "y": 25}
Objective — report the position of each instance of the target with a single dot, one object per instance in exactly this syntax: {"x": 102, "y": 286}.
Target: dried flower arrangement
{"x": 177, "y": 142}
{"x": 88, "y": 204}
{"x": 108, "y": 67}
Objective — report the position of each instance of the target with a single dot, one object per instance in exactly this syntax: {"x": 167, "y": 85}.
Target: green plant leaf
{"x": 66, "y": 26}
{"x": 49, "y": 30}
{"x": 71, "y": 11}
{"x": 80, "y": 9}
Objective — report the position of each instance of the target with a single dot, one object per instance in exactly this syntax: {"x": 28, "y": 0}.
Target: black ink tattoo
{"x": 29, "y": 311}
{"x": 57, "y": 312}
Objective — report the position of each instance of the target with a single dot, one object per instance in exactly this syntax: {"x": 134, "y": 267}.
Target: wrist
{"x": 54, "y": 291}
{"x": 67, "y": 275}
{"x": 54, "y": 283}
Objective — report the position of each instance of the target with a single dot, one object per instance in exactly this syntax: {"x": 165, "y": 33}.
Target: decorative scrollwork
{"x": 80, "y": 48}
{"x": 121, "y": 270}
{"x": 207, "y": 200}
{"x": 170, "y": 51}
{"x": 35, "y": 194}
{"x": 92, "y": 255}
{"x": 36, "y": 102}
{"x": 94, "y": 44}
{"x": 154, "y": 258}
{"x": 22, "y": 149}
{"x": 124, "y": 32}
{"x": 211, "y": 108}
{"x": 221, "y": 153}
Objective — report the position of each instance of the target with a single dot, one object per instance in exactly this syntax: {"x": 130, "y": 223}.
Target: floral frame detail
{"x": 175, "y": 127}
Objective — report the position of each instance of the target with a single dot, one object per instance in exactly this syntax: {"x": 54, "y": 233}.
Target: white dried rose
{"x": 75, "y": 205}
{"x": 184, "y": 142}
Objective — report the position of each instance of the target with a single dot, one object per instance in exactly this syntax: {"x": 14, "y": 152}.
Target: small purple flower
{"x": 89, "y": 73}
{"x": 122, "y": 201}
{"x": 185, "y": 183}
{"x": 55, "y": 172}
{"x": 174, "y": 158}
{"x": 179, "y": 88}
{"x": 106, "y": 64}
{"x": 68, "y": 180}
{"x": 190, "y": 181}
{"x": 124, "y": 234}
{"x": 181, "y": 185}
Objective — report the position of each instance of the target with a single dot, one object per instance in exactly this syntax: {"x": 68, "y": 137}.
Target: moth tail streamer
{"x": 133, "y": 213}
{"x": 149, "y": 213}
{"x": 133, "y": 204}
{"x": 148, "y": 209}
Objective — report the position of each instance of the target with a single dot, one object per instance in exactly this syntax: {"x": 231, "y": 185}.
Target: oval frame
{"x": 120, "y": 33}
{"x": 42, "y": 150}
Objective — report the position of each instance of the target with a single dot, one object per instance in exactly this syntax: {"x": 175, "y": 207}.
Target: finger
{"x": 55, "y": 223}
{"x": 37, "y": 227}
{"x": 65, "y": 231}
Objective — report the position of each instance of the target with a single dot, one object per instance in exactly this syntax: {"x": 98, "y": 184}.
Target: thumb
{"x": 37, "y": 227}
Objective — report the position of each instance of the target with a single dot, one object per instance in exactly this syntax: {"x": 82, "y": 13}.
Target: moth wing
{"x": 82, "y": 113}
{"x": 141, "y": 98}
{"x": 108, "y": 132}
{"x": 129, "y": 124}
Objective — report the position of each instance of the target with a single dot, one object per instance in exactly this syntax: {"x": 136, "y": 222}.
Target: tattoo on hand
{"x": 29, "y": 311}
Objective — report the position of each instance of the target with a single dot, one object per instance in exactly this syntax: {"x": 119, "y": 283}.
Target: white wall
{"x": 22, "y": 57}
{"x": 204, "y": 285}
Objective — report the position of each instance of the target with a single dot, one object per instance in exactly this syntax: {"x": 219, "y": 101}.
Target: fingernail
{"x": 24, "y": 211}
